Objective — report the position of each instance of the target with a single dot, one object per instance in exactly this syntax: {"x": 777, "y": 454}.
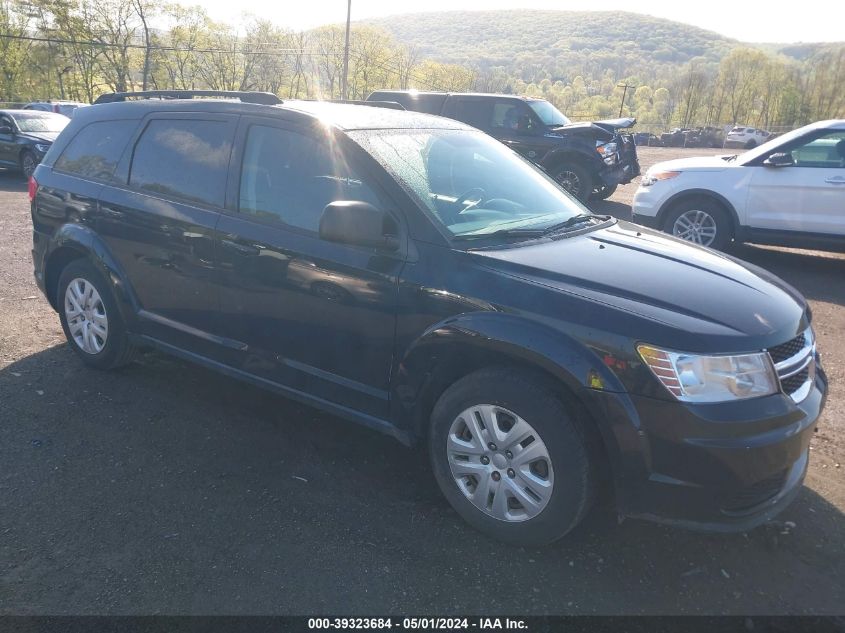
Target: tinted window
{"x": 290, "y": 178}
{"x": 475, "y": 112}
{"x": 95, "y": 151}
{"x": 183, "y": 159}
{"x": 505, "y": 115}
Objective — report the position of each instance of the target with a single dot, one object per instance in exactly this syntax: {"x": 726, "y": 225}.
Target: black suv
{"x": 412, "y": 274}
{"x": 589, "y": 160}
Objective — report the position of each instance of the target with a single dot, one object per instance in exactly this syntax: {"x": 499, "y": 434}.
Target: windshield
{"x": 470, "y": 183}
{"x": 548, "y": 114}
{"x": 41, "y": 122}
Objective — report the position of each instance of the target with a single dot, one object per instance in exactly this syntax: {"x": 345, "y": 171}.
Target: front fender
{"x": 458, "y": 345}
{"x": 73, "y": 240}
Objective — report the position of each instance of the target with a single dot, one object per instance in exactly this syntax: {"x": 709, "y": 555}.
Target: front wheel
{"x": 28, "y": 164}
{"x": 575, "y": 179}
{"x": 700, "y": 221}
{"x": 604, "y": 192}
{"x": 511, "y": 457}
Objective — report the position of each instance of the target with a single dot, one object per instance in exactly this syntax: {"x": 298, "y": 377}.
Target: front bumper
{"x": 718, "y": 467}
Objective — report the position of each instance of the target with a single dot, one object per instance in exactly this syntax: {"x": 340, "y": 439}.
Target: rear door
{"x": 808, "y": 196}
{"x": 159, "y": 224}
{"x": 8, "y": 146}
{"x": 314, "y": 315}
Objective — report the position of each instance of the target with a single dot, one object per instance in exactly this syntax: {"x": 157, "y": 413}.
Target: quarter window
{"x": 184, "y": 159}
{"x": 288, "y": 177}
{"x": 95, "y": 151}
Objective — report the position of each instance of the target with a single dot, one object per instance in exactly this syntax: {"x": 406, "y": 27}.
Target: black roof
{"x": 340, "y": 115}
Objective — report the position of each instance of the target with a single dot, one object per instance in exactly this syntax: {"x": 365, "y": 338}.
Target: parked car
{"x": 59, "y": 107}
{"x": 789, "y": 191}
{"x": 412, "y": 274}
{"x": 586, "y": 159}
{"x": 707, "y": 136}
{"x": 647, "y": 139}
{"x": 747, "y": 137}
{"x": 674, "y": 137}
{"x": 25, "y": 137}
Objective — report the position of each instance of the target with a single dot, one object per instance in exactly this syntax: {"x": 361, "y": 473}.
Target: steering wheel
{"x": 468, "y": 195}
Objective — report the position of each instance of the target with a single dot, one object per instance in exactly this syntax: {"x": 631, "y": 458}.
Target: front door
{"x": 807, "y": 196}
{"x": 316, "y": 316}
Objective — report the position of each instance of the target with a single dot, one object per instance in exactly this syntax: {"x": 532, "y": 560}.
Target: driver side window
{"x": 827, "y": 151}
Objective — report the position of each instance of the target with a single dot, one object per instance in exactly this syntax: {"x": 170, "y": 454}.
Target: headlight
{"x": 697, "y": 378}
{"x": 651, "y": 178}
{"x": 607, "y": 152}
{"x": 42, "y": 147}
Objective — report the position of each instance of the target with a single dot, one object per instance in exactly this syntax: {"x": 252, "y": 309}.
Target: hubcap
{"x": 86, "y": 316}
{"x": 695, "y": 226}
{"x": 569, "y": 180}
{"x": 500, "y": 463}
{"x": 28, "y": 165}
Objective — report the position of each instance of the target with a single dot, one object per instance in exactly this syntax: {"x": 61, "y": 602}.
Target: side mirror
{"x": 359, "y": 223}
{"x": 5, "y": 129}
{"x": 780, "y": 159}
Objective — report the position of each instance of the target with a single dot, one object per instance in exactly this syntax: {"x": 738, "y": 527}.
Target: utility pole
{"x": 624, "y": 92}
{"x": 345, "y": 85}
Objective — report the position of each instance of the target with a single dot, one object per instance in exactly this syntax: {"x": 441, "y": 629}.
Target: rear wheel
{"x": 575, "y": 179}
{"x": 751, "y": 144}
{"x": 511, "y": 457}
{"x": 90, "y": 318}
{"x": 701, "y": 221}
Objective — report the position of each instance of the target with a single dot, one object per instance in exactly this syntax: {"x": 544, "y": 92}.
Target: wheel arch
{"x": 75, "y": 241}
{"x": 455, "y": 348}
{"x": 687, "y": 194}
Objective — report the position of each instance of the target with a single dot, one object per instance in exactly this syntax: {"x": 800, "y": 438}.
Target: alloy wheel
{"x": 500, "y": 463}
{"x": 695, "y": 226}
{"x": 28, "y": 164}
{"x": 86, "y": 316}
{"x": 570, "y": 181}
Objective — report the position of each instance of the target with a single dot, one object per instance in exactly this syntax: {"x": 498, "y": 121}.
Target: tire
{"x": 604, "y": 192}
{"x": 561, "y": 480}
{"x": 574, "y": 179}
{"x": 28, "y": 164}
{"x": 699, "y": 216}
{"x": 751, "y": 144}
{"x": 100, "y": 313}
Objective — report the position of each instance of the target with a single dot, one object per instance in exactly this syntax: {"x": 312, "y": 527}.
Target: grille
{"x": 755, "y": 494}
{"x": 780, "y": 353}
{"x": 794, "y": 383}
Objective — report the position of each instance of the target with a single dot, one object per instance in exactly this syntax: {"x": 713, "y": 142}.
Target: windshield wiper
{"x": 502, "y": 233}
{"x": 575, "y": 220}
{"x": 728, "y": 159}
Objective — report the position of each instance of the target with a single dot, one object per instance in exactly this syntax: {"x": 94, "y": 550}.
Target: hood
{"x": 701, "y": 293}
{"x": 617, "y": 124}
{"x": 41, "y": 137}
{"x": 695, "y": 163}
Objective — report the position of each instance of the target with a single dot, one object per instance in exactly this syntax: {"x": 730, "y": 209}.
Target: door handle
{"x": 241, "y": 249}
{"x": 836, "y": 180}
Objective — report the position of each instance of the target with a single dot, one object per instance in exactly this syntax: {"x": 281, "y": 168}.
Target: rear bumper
{"x": 724, "y": 467}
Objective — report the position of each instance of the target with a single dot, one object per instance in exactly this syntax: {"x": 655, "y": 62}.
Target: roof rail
{"x": 263, "y": 98}
{"x": 390, "y": 105}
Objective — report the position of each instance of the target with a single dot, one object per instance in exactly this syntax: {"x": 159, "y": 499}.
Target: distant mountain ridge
{"x": 567, "y": 42}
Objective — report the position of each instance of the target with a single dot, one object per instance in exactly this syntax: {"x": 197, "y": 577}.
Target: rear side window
{"x": 95, "y": 151}
{"x": 184, "y": 159}
{"x": 475, "y": 112}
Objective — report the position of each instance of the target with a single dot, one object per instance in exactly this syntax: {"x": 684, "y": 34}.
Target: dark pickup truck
{"x": 587, "y": 159}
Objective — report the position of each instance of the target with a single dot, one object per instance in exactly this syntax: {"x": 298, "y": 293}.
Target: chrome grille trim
{"x": 804, "y": 359}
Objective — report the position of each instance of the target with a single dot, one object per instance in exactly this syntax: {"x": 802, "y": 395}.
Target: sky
{"x": 745, "y": 20}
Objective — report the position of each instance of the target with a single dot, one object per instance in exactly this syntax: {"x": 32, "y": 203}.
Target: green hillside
{"x": 558, "y": 44}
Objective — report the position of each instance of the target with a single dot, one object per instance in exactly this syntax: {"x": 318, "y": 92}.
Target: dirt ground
{"x": 165, "y": 488}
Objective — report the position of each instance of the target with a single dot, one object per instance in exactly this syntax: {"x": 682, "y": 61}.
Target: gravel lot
{"x": 165, "y": 488}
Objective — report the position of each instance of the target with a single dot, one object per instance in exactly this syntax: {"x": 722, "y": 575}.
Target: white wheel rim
{"x": 86, "y": 316}
{"x": 695, "y": 226}
{"x": 500, "y": 463}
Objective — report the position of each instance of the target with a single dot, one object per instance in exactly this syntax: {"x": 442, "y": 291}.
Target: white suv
{"x": 789, "y": 191}
{"x": 747, "y": 137}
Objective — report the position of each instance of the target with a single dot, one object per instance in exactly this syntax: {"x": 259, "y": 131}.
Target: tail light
{"x": 33, "y": 188}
